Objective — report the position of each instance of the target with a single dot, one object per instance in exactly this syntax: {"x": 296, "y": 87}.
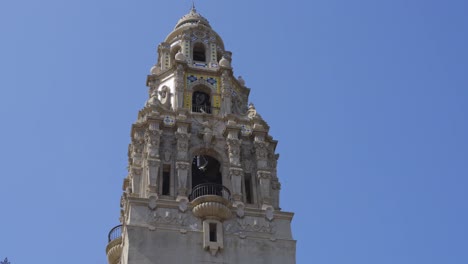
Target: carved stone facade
{"x": 202, "y": 165}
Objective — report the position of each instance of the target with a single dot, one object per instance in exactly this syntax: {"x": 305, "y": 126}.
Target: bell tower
{"x": 202, "y": 185}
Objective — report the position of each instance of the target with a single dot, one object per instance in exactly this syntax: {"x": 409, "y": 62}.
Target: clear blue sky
{"x": 368, "y": 100}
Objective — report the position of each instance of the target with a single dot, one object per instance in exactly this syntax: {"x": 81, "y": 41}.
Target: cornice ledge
{"x": 261, "y": 213}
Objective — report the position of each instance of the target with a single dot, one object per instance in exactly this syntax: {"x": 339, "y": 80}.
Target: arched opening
{"x": 199, "y": 53}
{"x": 201, "y": 102}
{"x": 206, "y": 169}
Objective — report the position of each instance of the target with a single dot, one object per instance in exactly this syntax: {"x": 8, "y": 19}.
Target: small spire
{"x": 193, "y": 7}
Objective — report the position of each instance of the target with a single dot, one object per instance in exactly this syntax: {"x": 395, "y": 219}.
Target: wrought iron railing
{"x": 210, "y": 189}
{"x": 115, "y": 233}
{"x": 201, "y": 109}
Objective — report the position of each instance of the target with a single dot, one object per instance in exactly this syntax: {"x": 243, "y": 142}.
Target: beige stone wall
{"x": 171, "y": 246}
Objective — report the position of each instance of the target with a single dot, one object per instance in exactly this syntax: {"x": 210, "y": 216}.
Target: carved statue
{"x": 153, "y": 100}
{"x": 165, "y": 97}
{"x": 251, "y": 112}
{"x": 207, "y": 132}
{"x": 236, "y": 105}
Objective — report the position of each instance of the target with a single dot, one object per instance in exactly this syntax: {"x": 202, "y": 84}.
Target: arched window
{"x": 199, "y": 53}
{"x": 206, "y": 169}
{"x": 201, "y": 102}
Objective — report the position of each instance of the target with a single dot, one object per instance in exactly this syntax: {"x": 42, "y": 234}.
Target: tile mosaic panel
{"x": 216, "y": 101}
{"x": 211, "y": 81}
{"x": 188, "y": 100}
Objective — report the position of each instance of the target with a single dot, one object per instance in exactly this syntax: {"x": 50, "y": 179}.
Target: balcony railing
{"x": 210, "y": 189}
{"x": 115, "y": 233}
{"x": 201, "y": 109}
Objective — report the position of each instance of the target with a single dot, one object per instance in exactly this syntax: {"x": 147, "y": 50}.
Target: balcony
{"x": 211, "y": 201}
{"x": 114, "y": 247}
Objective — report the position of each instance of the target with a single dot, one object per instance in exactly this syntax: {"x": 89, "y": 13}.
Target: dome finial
{"x": 192, "y": 19}
{"x": 193, "y": 7}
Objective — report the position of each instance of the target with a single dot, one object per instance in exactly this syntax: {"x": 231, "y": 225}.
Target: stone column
{"x": 182, "y": 175}
{"x": 186, "y": 44}
{"x": 153, "y": 139}
{"x": 261, "y": 152}
{"x": 236, "y": 180}
{"x": 152, "y": 174}
{"x": 234, "y": 151}
{"x": 179, "y": 87}
{"x": 164, "y": 54}
{"x": 182, "y": 164}
{"x": 213, "y": 53}
{"x": 235, "y": 169}
{"x": 264, "y": 178}
{"x": 135, "y": 175}
{"x": 182, "y": 146}
{"x": 226, "y": 91}
{"x": 136, "y": 159}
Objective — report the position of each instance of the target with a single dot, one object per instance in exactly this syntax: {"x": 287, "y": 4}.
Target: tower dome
{"x": 192, "y": 18}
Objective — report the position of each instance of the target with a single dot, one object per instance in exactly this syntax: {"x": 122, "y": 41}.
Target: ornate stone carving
{"x": 182, "y": 145}
{"x": 136, "y": 171}
{"x": 247, "y": 159}
{"x": 137, "y": 152}
{"x": 261, "y": 150}
{"x": 246, "y": 130}
{"x": 251, "y": 112}
{"x": 226, "y": 92}
{"x": 183, "y": 205}
{"x": 152, "y": 202}
{"x": 135, "y": 176}
{"x": 153, "y": 85}
{"x": 152, "y": 143}
{"x": 168, "y": 217}
{"x": 234, "y": 151}
{"x": 183, "y": 165}
{"x": 167, "y": 155}
{"x": 212, "y": 210}
{"x": 261, "y": 153}
{"x": 269, "y": 213}
{"x": 276, "y": 185}
{"x": 179, "y": 86}
{"x": 137, "y": 147}
{"x": 240, "y": 209}
{"x": 249, "y": 224}
{"x": 165, "y": 95}
{"x": 153, "y": 101}
{"x": 167, "y": 149}
{"x": 237, "y": 105}
{"x": 207, "y": 133}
